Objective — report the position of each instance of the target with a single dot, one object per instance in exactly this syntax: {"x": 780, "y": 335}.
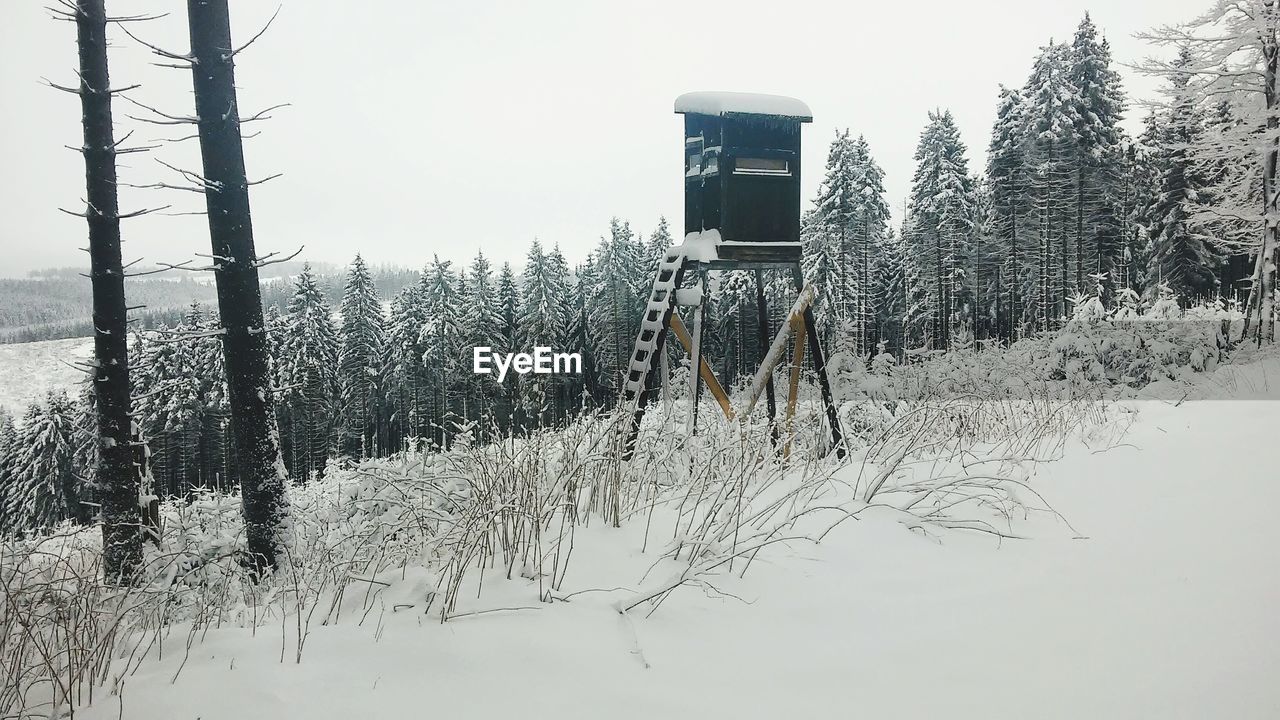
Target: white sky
{"x": 442, "y": 127}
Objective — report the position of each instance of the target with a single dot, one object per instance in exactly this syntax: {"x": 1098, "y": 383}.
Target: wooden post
{"x": 776, "y": 350}
{"x": 665, "y": 368}
{"x": 704, "y": 369}
{"x": 762, "y": 320}
{"x": 695, "y": 366}
{"x": 820, "y": 368}
{"x": 797, "y": 361}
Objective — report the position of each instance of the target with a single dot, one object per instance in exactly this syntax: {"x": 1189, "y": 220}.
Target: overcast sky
{"x": 443, "y": 127}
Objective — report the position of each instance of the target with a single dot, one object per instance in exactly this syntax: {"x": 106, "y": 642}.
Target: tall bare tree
{"x": 235, "y": 261}
{"x": 116, "y": 477}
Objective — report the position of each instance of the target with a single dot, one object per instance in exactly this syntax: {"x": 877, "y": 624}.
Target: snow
{"x": 1157, "y": 601}
{"x": 720, "y": 103}
{"x": 29, "y": 370}
{"x": 690, "y": 296}
{"x": 701, "y": 246}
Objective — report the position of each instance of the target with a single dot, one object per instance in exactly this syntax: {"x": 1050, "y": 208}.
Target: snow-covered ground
{"x": 1159, "y": 600}
{"x": 29, "y": 370}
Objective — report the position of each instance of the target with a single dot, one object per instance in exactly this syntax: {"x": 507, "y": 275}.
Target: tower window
{"x": 761, "y": 166}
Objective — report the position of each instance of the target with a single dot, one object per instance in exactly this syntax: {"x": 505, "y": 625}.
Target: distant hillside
{"x": 56, "y": 303}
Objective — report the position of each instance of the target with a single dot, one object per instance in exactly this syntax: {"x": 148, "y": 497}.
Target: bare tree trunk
{"x": 1079, "y": 223}
{"x": 244, "y": 343}
{"x": 1013, "y": 271}
{"x": 116, "y": 476}
{"x": 1270, "y": 246}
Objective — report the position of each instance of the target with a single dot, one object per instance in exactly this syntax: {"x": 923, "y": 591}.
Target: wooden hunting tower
{"x": 741, "y": 212}
{"x": 742, "y": 172}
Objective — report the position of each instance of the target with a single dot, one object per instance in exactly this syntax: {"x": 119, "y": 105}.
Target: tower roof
{"x": 735, "y": 103}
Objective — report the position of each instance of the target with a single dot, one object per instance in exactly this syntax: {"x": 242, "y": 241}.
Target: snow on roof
{"x": 720, "y": 103}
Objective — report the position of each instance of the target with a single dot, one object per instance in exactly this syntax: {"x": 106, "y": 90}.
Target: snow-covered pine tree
{"x": 941, "y": 232}
{"x": 615, "y": 305}
{"x": 1008, "y": 180}
{"x": 1235, "y": 57}
{"x": 891, "y": 293}
{"x": 587, "y": 391}
{"x": 1143, "y": 162}
{"x": 823, "y": 269}
{"x": 506, "y": 338}
{"x": 985, "y": 259}
{"x": 8, "y": 481}
{"x": 48, "y": 492}
{"x": 849, "y": 220}
{"x": 360, "y": 360}
{"x": 309, "y": 366}
{"x": 827, "y": 230}
{"x": 1097, "y": 155}
{"x": 542, "y": 322}
{"x": 870, "y": 228}
{"x": 179, "y": 419}
{"x": 1181, "y": 258}
{"x": 656, "y": 247}
{"x": 1050, "y": 107}
{"x": 405, "y": 370}
{"x": 441, "y": 346}
{"x": 481, "y": 327}
{"x": 216, "y": 460}
{"x": 569, "y": 386}
{"x": 734, "y": 317}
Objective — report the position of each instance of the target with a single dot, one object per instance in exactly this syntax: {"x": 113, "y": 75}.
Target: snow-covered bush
{"x": 422, "y": 532}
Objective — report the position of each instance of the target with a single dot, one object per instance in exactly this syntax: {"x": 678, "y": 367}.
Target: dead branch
{"x": 140, "y": 213}
{"x": 168, "y": 119}
{"x": 241, "y": 49}
{"x": 188, "y": 58}
{"x": 266, "y": 260}
{"x": 262, "y": 114}
{"x": 263, "y": 180}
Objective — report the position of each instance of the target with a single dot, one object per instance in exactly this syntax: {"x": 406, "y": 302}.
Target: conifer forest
{"x": 996, "y": 460}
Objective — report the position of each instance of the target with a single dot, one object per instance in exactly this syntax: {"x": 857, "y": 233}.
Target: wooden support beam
{"x": 799, "y": 315}
{"x": 708, "y": 377}
{"x": 762, "y": 318}
{"x": 695, "y": 354}
{"x": 797, "y": 360}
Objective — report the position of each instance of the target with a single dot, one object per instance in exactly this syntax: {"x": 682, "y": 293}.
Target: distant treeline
{"x": 55, "y": 303}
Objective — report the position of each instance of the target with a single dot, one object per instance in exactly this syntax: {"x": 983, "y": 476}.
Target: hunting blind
{"x": 742, "y": 172}
{"x": 742, "y": 212}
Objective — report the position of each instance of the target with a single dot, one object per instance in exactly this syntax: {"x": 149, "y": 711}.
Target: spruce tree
{"x": 507, "y": 337}
{"x": 48, "y": 490}
{"x": 309, "y": 366}
{"x": 940, "y": 238}
{"x": 1008, "y": 178}
{"x": 1098, "y": 153}
{"x": 442, "y": 347}
{"x": 360, "y": 359}
{"x": 1180, "y": 259}
{"x": 405, "y": 369}
{"x": 542, "y": 322}
{"x": 481, "y": 327}
{"x": 9, "y": 493}
{"x": 614, "y": 305}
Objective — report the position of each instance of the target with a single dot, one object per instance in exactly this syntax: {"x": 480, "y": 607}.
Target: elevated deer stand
{"x": 742, "y": 212}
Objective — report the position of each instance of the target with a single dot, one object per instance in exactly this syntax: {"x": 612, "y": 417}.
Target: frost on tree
{"x": 263, "y": 477}
{"x": 362, "y": 338}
